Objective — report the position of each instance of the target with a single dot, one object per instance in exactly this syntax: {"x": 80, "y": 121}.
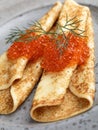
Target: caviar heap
{"x": 56, "y": 52}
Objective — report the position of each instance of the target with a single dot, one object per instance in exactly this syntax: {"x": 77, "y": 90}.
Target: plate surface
{"x": 20, "y": 120}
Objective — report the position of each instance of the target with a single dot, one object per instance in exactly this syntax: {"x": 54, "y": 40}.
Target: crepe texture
{"x": 13, "y": 92}
{"x": 70, "y": 92}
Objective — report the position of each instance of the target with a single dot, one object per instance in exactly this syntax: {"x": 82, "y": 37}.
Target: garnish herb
{"x": 71, "y": 25}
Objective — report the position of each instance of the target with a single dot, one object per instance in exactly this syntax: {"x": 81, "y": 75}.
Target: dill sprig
{"x": 71, "y": 25}
{"x": 15, "y": 34}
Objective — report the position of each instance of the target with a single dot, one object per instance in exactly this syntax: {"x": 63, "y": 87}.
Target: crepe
{"x": 12, "y": 94}
{"x": 67, "y": 93}
{"x": 10, "y": 70}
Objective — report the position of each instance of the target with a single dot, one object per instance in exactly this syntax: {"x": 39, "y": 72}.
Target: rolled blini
{"x": 63, "y": 94}
{"x": 13, "y": 92}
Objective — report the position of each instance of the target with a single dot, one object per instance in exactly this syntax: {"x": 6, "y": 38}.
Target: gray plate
{"x": 20, "y": 120}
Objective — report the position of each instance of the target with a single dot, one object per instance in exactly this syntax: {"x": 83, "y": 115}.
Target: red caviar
{"x": 55, "y": 57}
{"x": 76, "y": 52}
{"x": 32, "y": 49}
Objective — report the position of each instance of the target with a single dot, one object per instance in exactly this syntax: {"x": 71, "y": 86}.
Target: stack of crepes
{"x": 69, "y": 92}
{"x": 59, "y": 95}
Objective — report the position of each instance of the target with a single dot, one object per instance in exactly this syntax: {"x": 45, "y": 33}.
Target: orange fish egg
{"x": 56, "y": 52}
{"x": 76, "y": 52}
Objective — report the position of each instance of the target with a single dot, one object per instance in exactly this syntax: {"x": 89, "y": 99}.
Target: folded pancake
{"x": 10, "y": 70}
{"x": 64, "y": 94}
{"x": 13, "y": 96}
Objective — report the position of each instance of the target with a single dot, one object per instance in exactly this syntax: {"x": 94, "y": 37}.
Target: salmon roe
{"x": 56, "y": 53}
{"x": 32, "y": 49}
{"x": 76, "y": 52}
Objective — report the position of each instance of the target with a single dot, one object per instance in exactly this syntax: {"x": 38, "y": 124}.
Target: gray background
{"x": 19, "y": 13}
